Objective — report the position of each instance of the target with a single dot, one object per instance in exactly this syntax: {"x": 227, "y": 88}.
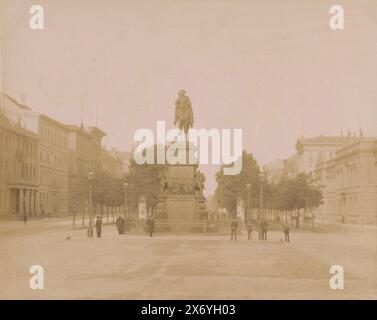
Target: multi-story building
{"x": 53, "y": 166}
{"x": 53, "y": 156}
{"x": 349, "y": 183}
{"x": 96, "y": 147}
{"x": 309, "y": 151}
{"x": 125, "y": 157}
{"x": 19, "y": 168}
{"x": 85, "y": 155}
{"x": 85, "y": 149}
{"x": 79, "y": 144}
{"x": 312, "y": 150}
{"x": 112, "y": 164}
{"x": 345, "y": 168}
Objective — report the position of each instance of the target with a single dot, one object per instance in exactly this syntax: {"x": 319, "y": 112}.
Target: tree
{"x": 107, "y": 190}
{"x": 232, "y": 187}
{"x": 143, "y": 179}
{"x": 78, "y": 192}
{"x": 295, "y": 194}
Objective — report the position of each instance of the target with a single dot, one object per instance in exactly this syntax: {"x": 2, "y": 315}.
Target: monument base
{"x": 182, "y": 212}
{"x": 181, "y": 204}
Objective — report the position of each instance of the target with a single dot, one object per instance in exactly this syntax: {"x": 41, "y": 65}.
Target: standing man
{"x": 120, "y": 225}
{"x": 99, "y": 226}
{"x": 25, "y": 218}
{"x": 150, "y": 225}
{"x": 249, "y": 231}
{"x": 286, "y": 232}
{"x": 264, "y": 229}
{"x": 233, "y": 229}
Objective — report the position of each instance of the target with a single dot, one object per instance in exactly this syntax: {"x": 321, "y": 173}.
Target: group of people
{"x": 262, "y": 230}
{"x": 121, "y": 225}
{"x": 150, "y": 223}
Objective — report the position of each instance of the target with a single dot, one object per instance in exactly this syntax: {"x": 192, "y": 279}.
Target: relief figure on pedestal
{"x": 199, "y": 179}
{"x": 164, "y": 184}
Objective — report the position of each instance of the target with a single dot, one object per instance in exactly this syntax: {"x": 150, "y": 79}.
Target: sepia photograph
{"x": 189, "y": 150}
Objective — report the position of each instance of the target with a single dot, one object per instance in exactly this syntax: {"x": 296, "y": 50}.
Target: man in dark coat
{"x": 99, "y": 226}
{"x": 150, "y": 225}
{"x": 286, "y": 232}
{"x": 233, "y": 229}
{"x": 120, "y": 225}
{"x": 249, "y": 230}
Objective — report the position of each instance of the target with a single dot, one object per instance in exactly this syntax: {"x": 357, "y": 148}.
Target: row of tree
{"x": 288, "y": 193}
{"x": 106, "y": 191}
{"x": 143, "y": 180}
{"x": 109, "y": 191}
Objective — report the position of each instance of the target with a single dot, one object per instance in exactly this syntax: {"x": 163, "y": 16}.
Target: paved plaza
{"x": 171, "y": 266}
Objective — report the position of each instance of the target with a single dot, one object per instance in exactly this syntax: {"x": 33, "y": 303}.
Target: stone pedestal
{"x": 181, "y": 202}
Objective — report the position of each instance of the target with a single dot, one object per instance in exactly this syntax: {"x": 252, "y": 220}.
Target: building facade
{"x": 309, "y": 151}
{"x": 312, "y": 150}
{"x": 344, "y": 167}
{"x": 53, "y": 156}
{"x": 96, "y": 147}
{"x": 125, "y": 156}
{"x": 85, "y": 155}
{"x": 53, "y": 167}
{"x": 79, "y": 144}
{"x": 85, "y": 149}
{"x": 111, "y": 164}
{"x": 349, "y": 184}
{"x": 19, "y": 170}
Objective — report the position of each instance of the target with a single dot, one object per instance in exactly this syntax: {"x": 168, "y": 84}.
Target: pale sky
{"x": 273, "y": 68}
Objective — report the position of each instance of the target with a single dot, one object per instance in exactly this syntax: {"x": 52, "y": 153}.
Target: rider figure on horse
{"x": 184, "y": 115}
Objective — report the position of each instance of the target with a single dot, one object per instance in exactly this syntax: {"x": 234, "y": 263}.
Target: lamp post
{"x": 24, "y": 199}
{"x": 261, "y": 180}
{"x": 90, "y": 229}
{"x": 125, "y": 188}
{"x": 41, "y": 205}
{"x": 248, "y": 188}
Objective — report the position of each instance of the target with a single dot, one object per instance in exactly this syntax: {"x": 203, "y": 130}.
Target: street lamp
{"x": 90, "y": 229}
{"x": 125, "y": 188}
{"x": 261, "y": 179}
{"x": 248, "y": 188}
{"x": 24, "y": 199}
{"x": 41, "y": 205}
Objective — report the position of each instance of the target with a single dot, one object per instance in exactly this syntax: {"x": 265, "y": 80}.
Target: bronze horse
{"x": 184, "y": 115}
